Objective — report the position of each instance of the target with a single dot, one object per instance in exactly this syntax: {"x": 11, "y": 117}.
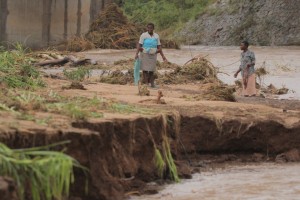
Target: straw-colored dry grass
{"x": 197, "y": 70}
{"x": 118, "y": 77}
{"x": 78, "y": 44}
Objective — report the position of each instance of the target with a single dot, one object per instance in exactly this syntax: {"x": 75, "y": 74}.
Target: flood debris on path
{"x": 110, "y": 30}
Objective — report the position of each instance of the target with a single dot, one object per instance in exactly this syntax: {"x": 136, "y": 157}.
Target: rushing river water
{"x": 267, "y": 181}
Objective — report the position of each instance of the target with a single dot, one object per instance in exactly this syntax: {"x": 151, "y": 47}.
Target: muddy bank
{"x": 204, "y": 134}
{"x": 7, "y": 189}
{"x": 120, "y": 152}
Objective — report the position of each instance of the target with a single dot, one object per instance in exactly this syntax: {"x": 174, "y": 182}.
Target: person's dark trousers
{"x": 148, "y": 77}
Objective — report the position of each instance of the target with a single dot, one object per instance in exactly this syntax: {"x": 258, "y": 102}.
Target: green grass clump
{"x": 159, "y": 162}
{"x": 126, "y": 108}
{"x": 77, "y": 75}
{"x": 170, "y": 161}
{"x": 21, "y": 103}
{"x": 164, "y": 161}
{"x": 17, "y": 70}
{"x": 43, "y": 174}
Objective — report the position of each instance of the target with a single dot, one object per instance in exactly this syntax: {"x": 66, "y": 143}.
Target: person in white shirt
{"x": 149, "y": 46}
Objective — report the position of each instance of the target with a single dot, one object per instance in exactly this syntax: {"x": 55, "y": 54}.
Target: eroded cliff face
{"x": 262, "y": 22}
{"x": 120, "y": 153}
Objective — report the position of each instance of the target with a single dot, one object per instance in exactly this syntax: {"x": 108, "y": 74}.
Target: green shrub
{"x": 78, "y": 74}
{"x": 168, "y": 15}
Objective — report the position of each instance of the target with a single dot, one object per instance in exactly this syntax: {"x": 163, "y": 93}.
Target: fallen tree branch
{"x": 53, "y": 62}
{"x": 198, "y": 57}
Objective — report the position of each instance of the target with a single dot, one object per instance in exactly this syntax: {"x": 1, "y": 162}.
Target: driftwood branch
{"x": 54, "y": 59}
{"x": 198, "y": 57}
{"x": 53, "y": 62}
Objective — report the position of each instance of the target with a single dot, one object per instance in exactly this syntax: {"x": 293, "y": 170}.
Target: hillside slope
{"x": 262, "y": 22}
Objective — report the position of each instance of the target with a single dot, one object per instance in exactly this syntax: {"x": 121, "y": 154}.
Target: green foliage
{"x": 169, "y": 160}
{"x": 167, "y": 15}
{"x": 4, "y": 107}
{"x": 126, "y": 108}
{"x": 75, "y": 111}
{"x": 70, "y": 108}
{"x": 17, "y": 71}
{"x": 42, "y": 173}
{"x": 20, "y": 103}
{"x": 164, "y": 161}
{"x": 78, "y": 74}
{"x": 159, "y": 162}
{"x": 28, "y": 97}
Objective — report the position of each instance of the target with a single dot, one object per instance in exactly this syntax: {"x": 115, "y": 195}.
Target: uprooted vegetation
{"x": 110, "y": 30}
{"x": 199, "y": 69}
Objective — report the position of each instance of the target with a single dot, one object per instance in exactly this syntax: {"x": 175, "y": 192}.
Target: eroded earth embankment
{"x": 120, "y": 153}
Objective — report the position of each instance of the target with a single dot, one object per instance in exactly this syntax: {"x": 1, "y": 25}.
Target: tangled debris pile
{"x": 197, "y": 69}
{"x": 78, "y": 44}
{"x": 273, "y": 90}
{"x": 118, "y": 77}
{"x": 217, "y": 92}
{"x": 112, "y": 30}
{"x": 56, "y": 58}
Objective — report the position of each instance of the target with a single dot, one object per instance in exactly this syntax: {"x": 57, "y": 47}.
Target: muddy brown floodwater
{"x": 249, "y": 181}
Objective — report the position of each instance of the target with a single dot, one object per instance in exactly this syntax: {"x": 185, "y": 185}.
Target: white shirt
{"x": 147, "y": 35}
